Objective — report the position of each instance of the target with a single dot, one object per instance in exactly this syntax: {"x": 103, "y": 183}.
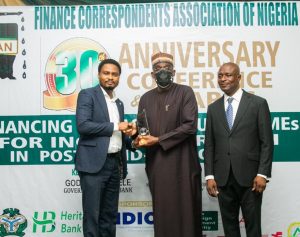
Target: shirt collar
{"x": 236, "y": 96}
{"x": 114, "y": 98}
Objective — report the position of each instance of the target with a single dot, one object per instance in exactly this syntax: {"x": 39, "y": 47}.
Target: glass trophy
{"x": 142, "y": 124}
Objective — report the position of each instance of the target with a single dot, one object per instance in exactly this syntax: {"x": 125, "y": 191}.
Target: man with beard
{"x": 172, "y": 163}
{"x": 100, "y": 157}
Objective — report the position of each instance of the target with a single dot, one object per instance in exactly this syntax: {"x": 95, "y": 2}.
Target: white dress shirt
{"x": 237, "y": 96}
{"x": 115, "y": 142}
{"x": 235, "y": 102}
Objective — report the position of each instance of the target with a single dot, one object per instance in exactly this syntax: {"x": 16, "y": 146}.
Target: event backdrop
{"x": 48, "y": 54}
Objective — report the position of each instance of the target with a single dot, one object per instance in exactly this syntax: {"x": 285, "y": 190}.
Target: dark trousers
{"x": 100, "y": 197}
{"x": 232, "y": 197}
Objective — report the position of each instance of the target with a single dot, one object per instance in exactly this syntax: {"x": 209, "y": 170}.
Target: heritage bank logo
{"x": 69, "y": 222}
{"x": 71, "y": 66}
{"x": 12, "y": 222}
{"x": 45, "y": 222}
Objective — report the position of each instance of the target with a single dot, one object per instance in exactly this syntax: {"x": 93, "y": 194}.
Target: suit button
{"x": 228, "y": 153}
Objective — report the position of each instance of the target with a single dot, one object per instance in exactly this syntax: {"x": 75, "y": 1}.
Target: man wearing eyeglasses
{"x": 172, "y": 163}
{"x": 238, "y": 153}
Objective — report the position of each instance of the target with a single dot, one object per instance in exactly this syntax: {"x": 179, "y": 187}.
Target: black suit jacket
{"x": 247, "y": 147}
{"x": 95, "y": 130}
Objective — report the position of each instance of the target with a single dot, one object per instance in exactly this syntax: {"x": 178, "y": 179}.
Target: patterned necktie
{"x": 229, "y": 112}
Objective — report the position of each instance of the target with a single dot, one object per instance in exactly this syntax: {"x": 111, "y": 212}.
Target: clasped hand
{"x": 128, "y": 128}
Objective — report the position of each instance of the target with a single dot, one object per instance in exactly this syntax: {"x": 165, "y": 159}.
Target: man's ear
{"x": 152, "y": 75}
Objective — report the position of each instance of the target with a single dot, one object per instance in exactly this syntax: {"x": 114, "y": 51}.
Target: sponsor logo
{"x": 209, "y": 220}
{"x": 126, "y": 186}
{"x": 136, "y": 157}
{"x": 12, "y": 222}
{"x": 44, "y": 222}
{"x": 135, "y": 218}
{"x": 72, "y": 66}
{"x": 10, "y": 46}
{"x": 294, "y": 230}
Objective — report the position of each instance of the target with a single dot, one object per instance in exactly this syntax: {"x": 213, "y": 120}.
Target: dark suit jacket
{"x": 247, "y": 147}
{"x": 95, "y": 130}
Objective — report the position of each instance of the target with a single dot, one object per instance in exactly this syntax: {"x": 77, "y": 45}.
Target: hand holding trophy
{"x": 143, "y": 127}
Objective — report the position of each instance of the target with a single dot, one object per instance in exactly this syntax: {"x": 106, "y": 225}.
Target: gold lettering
{"x": 243, "y": 54}
{"x": 130, "y": 81}
{"x": 199, "y": 100}
{"x": 198, "y": 54}
{"x": 125, "y": 57}
{"x": 227, "y": 52}
{"x": 273, "y": 52}
{"x": 193, "y": 79}
{"x": 146, "y": 78}
{"x": 184, "y": 59}
{"x": 258, "y": 51}
{"x": 140, "y": 56}
{"x": 180, "y": 77}
{"x": 208, "y": 80}
{"x": 250, "y": 80}
{"x": 212, "y": 96}
{"x": 265, "y": 79}
{"x": 213, "y": 53}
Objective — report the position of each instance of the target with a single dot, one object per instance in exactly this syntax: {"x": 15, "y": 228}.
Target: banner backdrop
{"x": 49, "y": 53}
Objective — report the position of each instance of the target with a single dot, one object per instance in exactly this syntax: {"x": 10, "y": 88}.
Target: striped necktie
{"x": 229, "y": 112}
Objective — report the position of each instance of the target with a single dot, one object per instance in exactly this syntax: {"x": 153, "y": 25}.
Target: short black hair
{"x": 109, "y": 61}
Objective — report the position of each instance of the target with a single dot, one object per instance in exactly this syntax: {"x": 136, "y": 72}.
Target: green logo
{"x": 12, "y": 222}
{"x": 294, "y": 230}
{"x": 210, "y": 220}
{"x": 46, "y": 223}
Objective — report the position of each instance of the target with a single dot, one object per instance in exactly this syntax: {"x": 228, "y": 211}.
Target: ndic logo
{"x": 138, "y": 218}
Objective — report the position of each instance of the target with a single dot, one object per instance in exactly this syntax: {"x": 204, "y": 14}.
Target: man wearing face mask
{"x": 172, "y": 163}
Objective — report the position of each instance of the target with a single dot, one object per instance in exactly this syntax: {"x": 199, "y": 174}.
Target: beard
{"x": 108, "y": 88}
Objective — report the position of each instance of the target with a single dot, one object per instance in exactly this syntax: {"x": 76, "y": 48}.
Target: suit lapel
{"x": 243, "y": 106}
{"x": 101, "y": 100}
{"x": 221, "y": 107}
{"x": 120, "y": 109}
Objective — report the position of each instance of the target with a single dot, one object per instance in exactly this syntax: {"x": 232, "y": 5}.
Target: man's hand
{"x": 123, "y": 126}
{"x": 146, "y": 141}
{"x": 130, "y": 130}
{"x": 211, "y": 187}
{"x": 259, "y": 184}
